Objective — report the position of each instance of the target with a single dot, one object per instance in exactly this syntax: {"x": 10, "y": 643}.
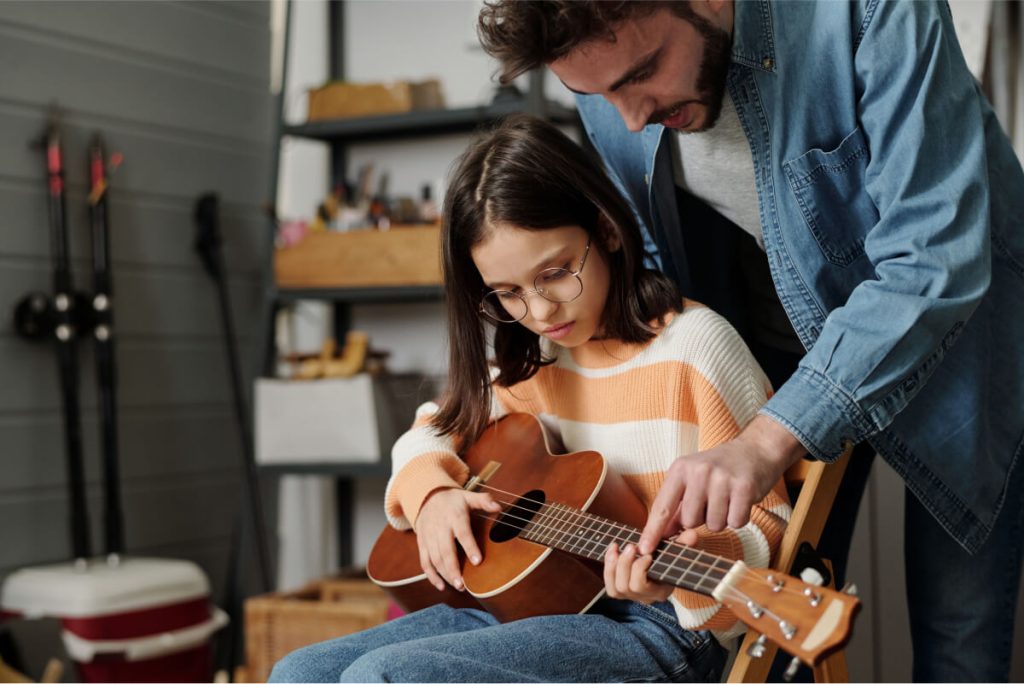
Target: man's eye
{"x": 641, "y": 77}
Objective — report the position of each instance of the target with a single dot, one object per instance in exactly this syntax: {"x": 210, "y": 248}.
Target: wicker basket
{"x": 277, "y": 624}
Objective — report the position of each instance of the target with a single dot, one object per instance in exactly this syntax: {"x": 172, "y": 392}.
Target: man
{"x": 845, "y": 149}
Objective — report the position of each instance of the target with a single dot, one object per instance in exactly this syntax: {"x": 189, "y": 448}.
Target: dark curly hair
{"x": 526, "y": 34}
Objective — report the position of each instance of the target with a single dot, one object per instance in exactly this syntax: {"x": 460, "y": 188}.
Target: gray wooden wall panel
{"x": 173, "y": 168}
{"x": 39, "y": 66}
{"x": 218, "y": 43}
{"x": 146, "y": 231}
{"x": 182, "y": 90}
{"x": 155, "y": 443}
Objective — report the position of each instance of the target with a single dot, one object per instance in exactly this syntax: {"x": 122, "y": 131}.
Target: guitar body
{"x": 517, "y": 578}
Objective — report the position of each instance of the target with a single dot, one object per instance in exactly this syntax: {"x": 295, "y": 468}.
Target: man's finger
{"x": 663, "y": 510}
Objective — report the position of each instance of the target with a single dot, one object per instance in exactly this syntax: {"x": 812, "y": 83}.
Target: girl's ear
{"x": 610, "y": 240}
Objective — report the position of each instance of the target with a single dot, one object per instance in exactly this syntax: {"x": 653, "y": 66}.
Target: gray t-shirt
{"x": 718, "y": 167}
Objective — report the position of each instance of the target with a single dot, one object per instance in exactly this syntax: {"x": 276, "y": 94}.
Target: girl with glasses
{"x": 552, "y": 312}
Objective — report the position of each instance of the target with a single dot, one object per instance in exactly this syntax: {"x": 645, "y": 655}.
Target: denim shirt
{"x": 892, "y": 210}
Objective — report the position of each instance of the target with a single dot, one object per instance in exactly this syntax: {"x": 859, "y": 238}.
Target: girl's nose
{"x": 542, "y": 309}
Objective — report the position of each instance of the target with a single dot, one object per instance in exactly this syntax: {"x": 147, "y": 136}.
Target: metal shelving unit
{"x": 339, "y": 134}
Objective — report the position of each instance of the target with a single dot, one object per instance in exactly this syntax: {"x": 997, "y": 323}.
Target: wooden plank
{"x": 144, "y": 231}
{"x": 165, "y": 443}
{"x": 213, "y": 41}
{"x": 172, "y": 169}
{"x": 362, "y": 258}
{"x": 152, "y": 375}
{"x": 103, "y": 81}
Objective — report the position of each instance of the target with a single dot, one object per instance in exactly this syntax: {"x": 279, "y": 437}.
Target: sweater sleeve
{"x": 422, "y": 460}
{"x": 727, "y": 393}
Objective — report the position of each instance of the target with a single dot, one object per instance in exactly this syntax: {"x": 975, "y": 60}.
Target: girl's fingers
{"x": 611, "y": 558}
{"x": 428, "y": 568}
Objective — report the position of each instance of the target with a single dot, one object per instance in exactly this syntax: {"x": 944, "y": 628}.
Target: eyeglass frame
{"x": 538, "y": 290}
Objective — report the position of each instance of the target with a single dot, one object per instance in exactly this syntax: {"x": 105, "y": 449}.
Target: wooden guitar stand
{"x": 818, "y": 483}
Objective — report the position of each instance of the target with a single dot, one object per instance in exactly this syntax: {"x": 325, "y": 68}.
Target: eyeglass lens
{"x": 553, "y": 284}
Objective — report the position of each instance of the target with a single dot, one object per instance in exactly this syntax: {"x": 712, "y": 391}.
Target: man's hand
{"x": 444, "y": 520}
{"x": 720, "y": 485}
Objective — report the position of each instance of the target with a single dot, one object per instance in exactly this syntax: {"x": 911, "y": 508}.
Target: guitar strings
{"x": 586, "y": 552}
{"x": 730, "y": 591}
{"x": 619, "y": 527}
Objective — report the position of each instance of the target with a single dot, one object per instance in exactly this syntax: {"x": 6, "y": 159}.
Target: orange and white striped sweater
{"x": 693, "y": 386}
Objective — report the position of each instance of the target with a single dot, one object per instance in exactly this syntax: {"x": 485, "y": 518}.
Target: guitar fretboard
{"x": 588, "y": 535}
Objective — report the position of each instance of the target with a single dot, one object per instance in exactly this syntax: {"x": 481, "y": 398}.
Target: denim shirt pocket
{"x": 830, "y": 189}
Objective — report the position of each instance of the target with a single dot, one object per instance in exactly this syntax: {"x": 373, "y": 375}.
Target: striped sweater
{"x": 693, "y": 386}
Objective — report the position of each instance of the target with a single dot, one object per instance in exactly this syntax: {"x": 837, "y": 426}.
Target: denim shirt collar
{"x": 753, "y": 42}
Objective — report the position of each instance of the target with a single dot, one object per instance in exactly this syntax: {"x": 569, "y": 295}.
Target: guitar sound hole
{"x": 510, "y": 523}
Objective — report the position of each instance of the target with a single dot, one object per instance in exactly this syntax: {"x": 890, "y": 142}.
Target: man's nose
{"x": 633, "y": 110}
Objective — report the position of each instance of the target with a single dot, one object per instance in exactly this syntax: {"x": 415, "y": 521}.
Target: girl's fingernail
{"x": 458, "y": 584}
{"x": 476, "y": 560}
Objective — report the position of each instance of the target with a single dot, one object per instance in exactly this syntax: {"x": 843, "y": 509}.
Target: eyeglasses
{"x": 558, "y": 285}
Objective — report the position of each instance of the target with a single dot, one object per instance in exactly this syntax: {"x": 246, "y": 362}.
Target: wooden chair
{"x": 817, "y": 483}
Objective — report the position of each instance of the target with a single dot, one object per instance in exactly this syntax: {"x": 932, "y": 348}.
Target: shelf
{"x": 426, "y": 122}
{"x": 336, "y": 469}
{"x": 365, "y": 295}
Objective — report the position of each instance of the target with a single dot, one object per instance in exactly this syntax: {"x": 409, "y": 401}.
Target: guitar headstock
{"x": 805, "y": 620}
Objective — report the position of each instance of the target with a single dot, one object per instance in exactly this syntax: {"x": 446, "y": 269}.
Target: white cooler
{"x": 143, "y": 620}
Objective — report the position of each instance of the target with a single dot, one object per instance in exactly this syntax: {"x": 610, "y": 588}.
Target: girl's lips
{"x": 559, "y": 331}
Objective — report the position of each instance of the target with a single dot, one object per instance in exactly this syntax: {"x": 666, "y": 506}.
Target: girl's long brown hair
{"x": 528, "y": 174}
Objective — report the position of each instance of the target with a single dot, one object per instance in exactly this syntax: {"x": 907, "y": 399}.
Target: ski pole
{"x": 66, "y": 339}
{"x": 103, "y": 331}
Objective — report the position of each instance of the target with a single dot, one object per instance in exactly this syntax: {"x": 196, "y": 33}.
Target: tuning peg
{"x": 791, "y": 669}
{"x": 850, "y": 588}
{"x": 812, "y": 576}
{"x": 756, "y": 649}
{"x": 788, "y": 629}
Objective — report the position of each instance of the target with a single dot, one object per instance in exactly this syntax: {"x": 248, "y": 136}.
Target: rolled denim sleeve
{"x": 930, "y": 248}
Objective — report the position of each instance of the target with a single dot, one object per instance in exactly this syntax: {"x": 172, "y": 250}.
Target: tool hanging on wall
{"x": 208, "y": 245}
{"x": 103, "y": 332}
{"x": 61, "y": 318}
{"x": 66, "y": 317}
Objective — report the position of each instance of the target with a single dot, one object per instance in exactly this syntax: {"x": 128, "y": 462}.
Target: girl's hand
{"x": 625, "y": 576}
{"x": 443, "y": 520}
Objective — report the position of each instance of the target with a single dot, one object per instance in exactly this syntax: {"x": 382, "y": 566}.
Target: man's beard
{"x": 714, "y": 68}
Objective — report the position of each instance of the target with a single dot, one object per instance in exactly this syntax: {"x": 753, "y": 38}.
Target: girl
{"x": 541, "y": 250}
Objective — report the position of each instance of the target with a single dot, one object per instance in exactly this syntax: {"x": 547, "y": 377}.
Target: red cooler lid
{"x": 98, "y": 588}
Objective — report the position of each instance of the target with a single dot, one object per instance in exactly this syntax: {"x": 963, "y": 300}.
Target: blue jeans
{"x": 615, "y": 641}
{"x": 962, "y": 607}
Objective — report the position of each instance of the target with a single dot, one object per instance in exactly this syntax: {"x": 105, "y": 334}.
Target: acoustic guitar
{"x": 543, "y": 554}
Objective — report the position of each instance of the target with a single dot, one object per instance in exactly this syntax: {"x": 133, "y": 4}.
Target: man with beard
{"x": 830, "y": 178}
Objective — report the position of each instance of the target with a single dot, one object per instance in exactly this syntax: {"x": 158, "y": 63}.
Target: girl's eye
{"x": 553, "y": 275}
{"x": 505, "y": 295}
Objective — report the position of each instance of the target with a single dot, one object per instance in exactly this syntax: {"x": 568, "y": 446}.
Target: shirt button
{"x": 767, "y": 62}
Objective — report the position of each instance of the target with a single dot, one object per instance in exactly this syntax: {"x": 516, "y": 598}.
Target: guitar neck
{"x": 588, "y": 535}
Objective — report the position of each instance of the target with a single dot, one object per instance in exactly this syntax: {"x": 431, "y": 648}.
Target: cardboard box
{"x": 362, "y": 258}
{"x": 340, "y": 100}
{"x": 335, "y": 420}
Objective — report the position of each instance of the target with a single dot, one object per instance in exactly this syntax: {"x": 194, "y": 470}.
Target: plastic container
{"x": 142, "y": 620}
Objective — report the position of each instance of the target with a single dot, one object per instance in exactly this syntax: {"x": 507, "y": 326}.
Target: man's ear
{"x": 610, "y": 240}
